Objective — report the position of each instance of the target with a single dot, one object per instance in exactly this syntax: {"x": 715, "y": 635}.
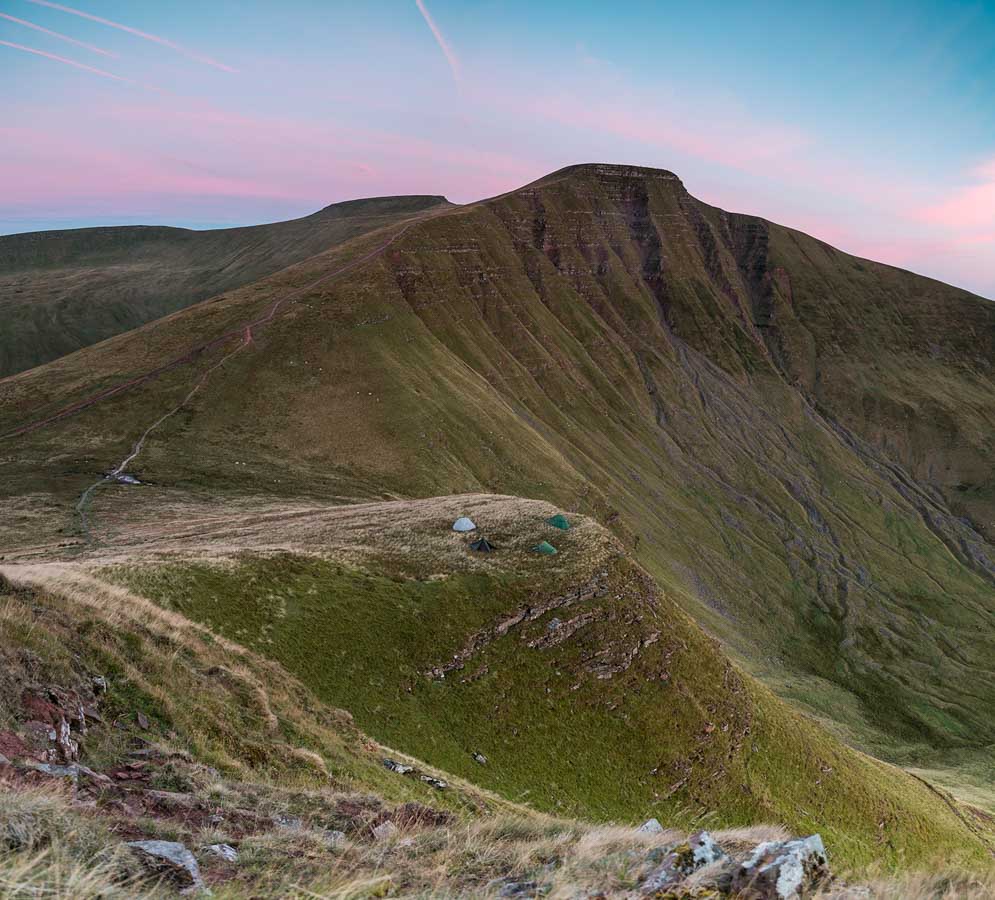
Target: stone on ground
{"x": 171, "y": 860}
{"x": 650, "y": 826}
{"x": 782, "y": 870}
{"x": 695, "y": 853}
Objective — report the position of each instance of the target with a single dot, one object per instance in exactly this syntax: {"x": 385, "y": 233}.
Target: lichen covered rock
{"x": 782, "y": 870}
{"x": 698, "y": 851}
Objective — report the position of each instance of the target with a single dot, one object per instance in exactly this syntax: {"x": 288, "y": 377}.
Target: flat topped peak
{"x": 416, "y": 202}
{"x": 614, "y": 170}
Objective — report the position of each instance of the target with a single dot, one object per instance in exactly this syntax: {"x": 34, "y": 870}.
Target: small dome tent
{"x": 559, "y": 521}
{"x": 545, "y": 548}
{"x": 483, "y": 546}
{"x": 463, "y": 524}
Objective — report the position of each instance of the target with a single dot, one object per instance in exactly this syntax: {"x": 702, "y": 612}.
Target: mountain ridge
{"x": 63, "y": 290}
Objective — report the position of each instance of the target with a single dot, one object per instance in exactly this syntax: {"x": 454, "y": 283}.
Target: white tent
{"x": 463, "y": 524}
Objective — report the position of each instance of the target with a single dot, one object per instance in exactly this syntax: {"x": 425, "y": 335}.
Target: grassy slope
{"x": 63, "y": 290}
{"x": 634, "y": 713}
{"x": 281, "y": 753}
{"x": 590, "y": 340}
{"x": 906, "y": 362}
{"x": 247, "y": 718}
{"x": 227, "y": 706}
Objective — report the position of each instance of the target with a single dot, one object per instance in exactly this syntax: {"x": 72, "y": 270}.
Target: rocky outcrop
{"x": 774, "y": 870}
{"x": 695, "y": 853}
{"x": 782, "y": 870}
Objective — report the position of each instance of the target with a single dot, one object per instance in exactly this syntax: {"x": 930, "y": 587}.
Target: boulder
{"x": 395, "y": 766}
{"x": 384, "y": 831}
{"x": 223, "y": 851}
{"x": 695, "y": 853}
{"x": 170, "y": 860}
{"x": 68, "y": 746}
{"x": 437, "y": 783}
{"x": 650, "y": 826}
{"x": 782, "y": 870}
{"x": 73, "y": 771}
{"x": 334, "y": 838}
{"x": 53, "y": 771}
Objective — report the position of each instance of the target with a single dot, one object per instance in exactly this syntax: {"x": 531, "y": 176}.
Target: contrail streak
{"x": 440, "y": 39}
{"x": 164, "y": 42}
{"x": 68, "y": 62}
{"x": 56, "y": 34}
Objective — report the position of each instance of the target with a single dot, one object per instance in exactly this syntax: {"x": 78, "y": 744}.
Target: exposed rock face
{"x": 782, "y": 870}
{"x": 774, "y": 870}
{"x": 695, "y": 853}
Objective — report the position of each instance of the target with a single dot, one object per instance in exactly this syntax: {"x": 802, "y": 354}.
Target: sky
{"x": 868, "y": 124}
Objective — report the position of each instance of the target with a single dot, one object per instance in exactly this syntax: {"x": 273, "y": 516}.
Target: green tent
{"x": 559, "y": 521}
{"x": 545, "y": 548}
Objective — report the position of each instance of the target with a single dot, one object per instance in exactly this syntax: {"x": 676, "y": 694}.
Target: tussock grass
{"x": 722, "y": 751}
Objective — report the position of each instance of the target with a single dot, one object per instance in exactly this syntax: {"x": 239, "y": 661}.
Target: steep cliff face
{"x": 603, "y": 340}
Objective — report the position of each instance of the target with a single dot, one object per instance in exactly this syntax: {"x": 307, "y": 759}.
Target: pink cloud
{"x": 968, "y": 207}
{"x": 38, "y": 173}
{"x": 739, "y": 145}
{"x": 287, "y": 144}
{"x": 164, "y": 42}
{"x": 969, "y": 240}
{"x": 58, "y": 35}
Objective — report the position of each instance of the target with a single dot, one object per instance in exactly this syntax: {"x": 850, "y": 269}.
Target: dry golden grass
{"x": 170, "y": 524}
{"x": 918, "y": 887}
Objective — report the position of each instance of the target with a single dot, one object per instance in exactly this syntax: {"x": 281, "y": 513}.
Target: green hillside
{"x": 587, "y": 689}
{"x": 63, "y": 290}
{"x": 602, "y": 341}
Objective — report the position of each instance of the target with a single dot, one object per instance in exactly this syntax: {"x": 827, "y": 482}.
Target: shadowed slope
{"x": 62, "y": 290}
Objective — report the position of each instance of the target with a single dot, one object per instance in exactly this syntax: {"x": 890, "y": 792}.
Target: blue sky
{"x": 870, "y": 125}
